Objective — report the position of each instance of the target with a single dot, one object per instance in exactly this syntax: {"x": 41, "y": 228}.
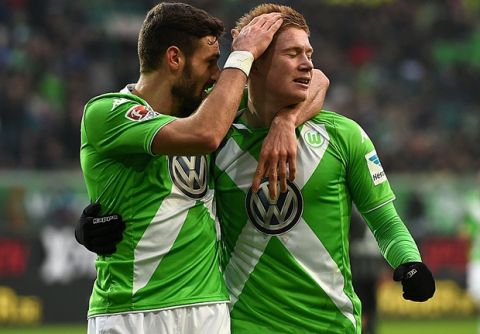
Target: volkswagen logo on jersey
{"x": 189, "y": 174}
{"x": 274, "y": 216}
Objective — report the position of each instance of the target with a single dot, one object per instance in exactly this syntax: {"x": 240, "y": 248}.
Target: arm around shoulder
{"x": 203, "y": 131}
{"x": 304, "y": 111}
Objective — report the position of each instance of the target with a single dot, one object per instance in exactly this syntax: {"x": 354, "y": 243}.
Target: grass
{"x": 438, "y": 326}
{"x": 463, "y": 326}
{"x": 44, "y": 329}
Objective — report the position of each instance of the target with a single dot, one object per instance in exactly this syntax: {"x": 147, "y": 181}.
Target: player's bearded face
{"x": 186, "y": 91}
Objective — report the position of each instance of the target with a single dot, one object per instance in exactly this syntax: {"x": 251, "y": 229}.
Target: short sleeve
{"x": 116, "y": 126}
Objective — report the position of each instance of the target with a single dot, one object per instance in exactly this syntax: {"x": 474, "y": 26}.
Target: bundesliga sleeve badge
{"x": 375, "y": 168}
{"x": 140, "y": 113}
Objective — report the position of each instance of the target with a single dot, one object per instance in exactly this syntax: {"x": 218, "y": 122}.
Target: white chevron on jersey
{"x": 240, "y": 171}
{"x": 307, "y": 157}
{"x": 239, "y": 165}
{"x": 312, "y": 256}
{"x": 209, "y": 203}
{"x": 301, "y": 241}
{"x": 158, "y": 238}
{"x": 239, "y": 269}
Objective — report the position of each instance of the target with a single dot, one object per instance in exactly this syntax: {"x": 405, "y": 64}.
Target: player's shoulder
{"x": 341, "y": 127}
{"x": 111, "y": 101}
{"x": 113, "y": 105}
{"x": 334, "y": 120}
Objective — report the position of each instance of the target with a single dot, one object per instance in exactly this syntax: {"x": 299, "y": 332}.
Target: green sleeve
{"x": 128, "y": 128}
{"x": 366, "y": 179}
{"x": 395, "y": 241}
{"x": 244, "y": 100}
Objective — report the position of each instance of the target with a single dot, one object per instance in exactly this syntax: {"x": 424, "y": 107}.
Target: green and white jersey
{"x": 286, "y": 262}
{"x": 169, "y": 255}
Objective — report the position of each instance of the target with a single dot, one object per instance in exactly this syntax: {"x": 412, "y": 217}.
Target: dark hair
{"x": 173, "y": 23}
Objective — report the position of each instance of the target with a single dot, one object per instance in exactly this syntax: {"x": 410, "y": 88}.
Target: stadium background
{"x": 407, "y": 71}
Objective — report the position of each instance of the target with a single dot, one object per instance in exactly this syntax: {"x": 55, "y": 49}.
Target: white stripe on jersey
{"x": 239, "y": 268}
{"x": 308, "y": 158}
{"x": 241, "y": 171}
{"x": 158, "y": 238}
{"x": 302, "y": 243}
{"x": 311, "y": 254}
{"x": 238, "y": 164}
{"x": 211, "y": 206}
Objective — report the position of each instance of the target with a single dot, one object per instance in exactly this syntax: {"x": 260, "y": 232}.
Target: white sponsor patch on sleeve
{"x": 375, "y": 168}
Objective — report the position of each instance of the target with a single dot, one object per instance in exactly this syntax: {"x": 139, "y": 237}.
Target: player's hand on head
{"x": 278, "y": 155}
{"x": 417, "y": 281}
{"x": 99, "y": 234}
{"x": 257, "y": 35}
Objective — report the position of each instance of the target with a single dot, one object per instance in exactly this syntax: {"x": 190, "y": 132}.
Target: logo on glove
{"x": 411, "y": 273}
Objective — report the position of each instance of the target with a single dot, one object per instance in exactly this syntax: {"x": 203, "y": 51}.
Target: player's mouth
{"x": 303, "y": 81}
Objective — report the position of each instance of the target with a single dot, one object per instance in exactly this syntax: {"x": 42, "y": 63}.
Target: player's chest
{"x": 185, "y": 175}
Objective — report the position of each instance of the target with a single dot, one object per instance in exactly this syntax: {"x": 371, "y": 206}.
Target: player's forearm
{"x": 202, "y": 132}
{"x": 217, "y": 112}
{"x": 394, "y": 240}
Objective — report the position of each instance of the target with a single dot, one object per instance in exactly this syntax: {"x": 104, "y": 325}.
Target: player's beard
{"x": 183, "y": 91}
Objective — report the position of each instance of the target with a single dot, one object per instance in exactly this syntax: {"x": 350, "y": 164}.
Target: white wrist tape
{"x": 240, "y": 59}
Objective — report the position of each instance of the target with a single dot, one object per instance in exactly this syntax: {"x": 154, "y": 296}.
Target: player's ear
{"x": 174, "y": 58}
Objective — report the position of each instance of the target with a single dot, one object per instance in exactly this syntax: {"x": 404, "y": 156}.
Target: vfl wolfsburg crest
{"x": 274, "y": 216}
{"x": 313, "y": 138}
{"x": 189, "y": 174}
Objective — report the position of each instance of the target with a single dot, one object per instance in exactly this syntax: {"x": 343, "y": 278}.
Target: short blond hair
{"x": 291, "y": 18}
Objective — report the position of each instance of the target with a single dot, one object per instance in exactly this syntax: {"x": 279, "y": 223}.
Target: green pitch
{"x": 58, "y": 329}
{"x": 458, "y": 326}
{"x": 464, "y": 326}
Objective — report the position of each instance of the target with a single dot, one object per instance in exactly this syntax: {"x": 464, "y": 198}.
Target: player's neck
{"x": 261, "y": 111}
{"x": 156, "y": 92}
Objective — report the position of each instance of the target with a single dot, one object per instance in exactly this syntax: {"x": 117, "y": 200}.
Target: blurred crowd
{"x": 407, "y": 71}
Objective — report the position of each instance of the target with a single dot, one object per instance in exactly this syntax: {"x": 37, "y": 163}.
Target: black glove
{"x": 417, "y": 280}
{"x": 99, "y": 234}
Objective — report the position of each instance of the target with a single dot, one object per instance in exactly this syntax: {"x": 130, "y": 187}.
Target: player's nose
{"x": 306, "y": 64}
